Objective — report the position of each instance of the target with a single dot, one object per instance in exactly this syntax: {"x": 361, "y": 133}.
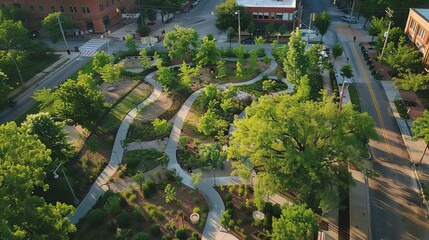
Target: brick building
{"x": 278, "y": 12}
{"x": 417, "y": 30}
{"x": 88, "y": 15}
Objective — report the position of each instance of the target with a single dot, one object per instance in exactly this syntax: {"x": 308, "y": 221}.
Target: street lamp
{"x": 56, "y": 176}
{"x": 62, "y": 32}
{"x": 214, "y": 176}
{"x": 107, "y": 41}
{"x": 239, "y": 26}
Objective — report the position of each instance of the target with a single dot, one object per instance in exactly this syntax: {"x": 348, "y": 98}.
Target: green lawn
{"x": 354, "y": 98}
{"x": 115, "y": 116}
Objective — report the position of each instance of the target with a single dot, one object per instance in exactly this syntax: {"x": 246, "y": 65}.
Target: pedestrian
{"x": 354, "y": 39}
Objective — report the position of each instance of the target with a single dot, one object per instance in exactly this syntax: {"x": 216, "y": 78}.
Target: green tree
{"x": 421, "y": 130}
{"x": 139, "y": 179}
{"x": 51, "y": 134}
{"x": 111, "y": 73}
{"x": 251, "y": 27}
{"x": 170, "y": 193}
{"x": 395, "y": 34}
{"x": 4, "y": 88}
{"x": 411, "y": 81}
{"x": 50, "y": 23}
{"x": 208, "y": 53}
{"x": 80, "y": 102}
{"x": 377, "y": 25}
{"x": 13, "y": 13}
{"x": 296, "y": 222}
{"x": 295, "y": 62}
{"x": 314, "y": 63}
{"x": 269, "y": 28}
{"x": 187, "y": 72}
{"x": 337, "y": 50}
{"x": 145, "y": 61}
{"x": 221, "y": 69}
{"x": 402, "y": 57}
{"x": 161, "y": 126}
{"x": 25, "y": 215}
{"x": 210, "y": 153}
{"x": 100, "y": 60}
{"x": 210, "y": 93}
{"x": 207, "y": 123}
{"x": 283, "y": 29}
{"x": 240, "y": 51}
{"x": 238, "y": 70}
{"x": 196, "y": 179}
{"x": 44, "y": 96}
{"x": 180, "y": 40}
{"x": 346, "y": 71}
{"x": 226, "y": 219}
{"x": 322, "y": 22}
{"x": 226, "y": 16}
{"x": 253, "y": 60}
{"x": 230, "y": 32}
{"x": 166, "y": 77}
{"x": 268, "y": 85}
{"x": 131, "y": 44}
{"x": 297, "y": 145}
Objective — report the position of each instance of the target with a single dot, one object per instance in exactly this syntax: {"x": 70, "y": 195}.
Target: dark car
{"x": 11, "y": 102}
{"x": 248, "y": 41}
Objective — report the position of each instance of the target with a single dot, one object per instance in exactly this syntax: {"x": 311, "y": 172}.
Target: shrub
{"x": 181, "y": 234}
{"x": 231, "y": 189}
{"x": 194, "y": 236}
{"x": 196, "y": 200}
{"x": 95, "y": 217}
{"x": 155, "y": 230}
{"x": 167, "y": 236}
{"x": 227, "y": 197}
{"x": 123, "y": 219}
{"x": 196, "y": 210}
{"x": 143, "y": 30}
{"x": 111, "y": 227}
{"x": 138, "y": 213}
{"x": 149, "y": 188}
{"x": 141, "y": 236}
{"x": 240, "y": 190}
{"x": 228, "y": 205}
{"x": 265, "y": 76}
{"x": 112, "y": 205}
{"x": 239, "y": 222}
{"x": 132, "y": 163}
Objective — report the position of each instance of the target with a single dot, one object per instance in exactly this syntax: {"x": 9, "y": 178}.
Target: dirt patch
{"x": 113, "y": 91}
{"x": 155, "y": 109}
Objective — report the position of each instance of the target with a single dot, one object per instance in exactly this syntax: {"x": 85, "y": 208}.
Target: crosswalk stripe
{"x": 90, "y": 48}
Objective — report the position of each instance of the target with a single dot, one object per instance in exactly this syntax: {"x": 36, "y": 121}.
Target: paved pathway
{"x": 212, "y": 227}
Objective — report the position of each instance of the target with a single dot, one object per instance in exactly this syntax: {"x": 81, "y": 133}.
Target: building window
{"x": 62, "y": 8}
{"x": 285, "y": 16}
{"x": 87, "y": 10}
{"x": 265, "y": 15}
{"x": 83, "y": 9}
{"x": 255, "y": 15}
{"x": 71, "y": 9}
{"x": 75, "y": 9}
{"x": 31, "y": 8}
{"x": 279, "y": 16}
{"x": 100, "y": 6}
{"x": 413, "y": 25}
{"x": 52, "y": 8}
{"x": 41, "y": 9}
{"x": 421, "y": 33}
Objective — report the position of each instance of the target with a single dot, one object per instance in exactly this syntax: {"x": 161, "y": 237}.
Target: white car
{"x": 347, "y": 19}
{"x": 324, "y": 54}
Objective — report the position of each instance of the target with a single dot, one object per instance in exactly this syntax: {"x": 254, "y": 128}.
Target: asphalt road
{"x": 396, "y": 206}
{"x": 25, "y": 100}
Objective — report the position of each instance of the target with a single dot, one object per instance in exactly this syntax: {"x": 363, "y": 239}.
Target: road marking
{"x": 374, "y": 100}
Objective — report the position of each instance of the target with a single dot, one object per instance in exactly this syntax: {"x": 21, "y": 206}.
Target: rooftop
{"x": 423, "y": 12}
{"x": 268, "y": 3}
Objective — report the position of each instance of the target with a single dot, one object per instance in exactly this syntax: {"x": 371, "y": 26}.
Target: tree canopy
{"x": 208, "y": 53}
{"x": 180, "y": 40}
{"x": 295, "y": 222}
{"x": 297, "y": 145}
{"x": 51, "y": 24}
{"x": 411, "y": 81}
{"x": 401, "y": 56}
{"x": 337, "y": 50}
{"x": 226, "y": 16}
{"x": 322, "y": 22}
{"x": 25, "y": 215}
{"x": 377, "y": 25}
{"x": 295, "y": 61}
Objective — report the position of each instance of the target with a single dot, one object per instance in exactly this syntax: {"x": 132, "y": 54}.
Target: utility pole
{"x": 16, "y": 64}
{"x": 108, "y": 45}
{"x": 351, "y": 13}
{"x": 239, "y": 26}
{"x": 389, "y": 13}
{"x": 62, "y": 32}
{"x": 309, "y": 28}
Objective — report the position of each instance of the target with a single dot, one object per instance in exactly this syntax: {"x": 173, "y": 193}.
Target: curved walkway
{"x": 212, "y": 227}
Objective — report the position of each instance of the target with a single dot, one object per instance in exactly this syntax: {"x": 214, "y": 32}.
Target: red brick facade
{"x": 88, "y": 15}
{"x": 417, "y": 30}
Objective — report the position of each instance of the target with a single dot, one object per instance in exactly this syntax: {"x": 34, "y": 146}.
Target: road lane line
{"x": 374, "y": 100}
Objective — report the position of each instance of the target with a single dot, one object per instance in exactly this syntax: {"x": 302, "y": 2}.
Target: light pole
{"x": 351, "y": 13}
{"x": 75, "y": 199}
{"x": 62, "y": 32}
{"x": 309, "y": 29}
{"x": 108, "y": 45}
{"x": 386, "y": 35}
{"x": 16, "y": 65}
{"x": 239, "y": 26}
{"x": 214, "y": 176}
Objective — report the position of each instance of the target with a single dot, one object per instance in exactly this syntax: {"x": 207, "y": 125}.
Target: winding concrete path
{"x": 212, "y": 227}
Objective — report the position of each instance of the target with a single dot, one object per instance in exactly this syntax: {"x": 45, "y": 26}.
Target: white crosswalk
{"x": 91, "y": 47}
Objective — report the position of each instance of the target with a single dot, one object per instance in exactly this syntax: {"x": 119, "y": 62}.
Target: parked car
{"x": 347, "y": 19}
{"x": 248, "y": 41}
{"x": 324, "y": 54}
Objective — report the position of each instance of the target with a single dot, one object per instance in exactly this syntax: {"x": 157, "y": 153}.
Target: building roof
{"x": 423, "y": 12}
{"x": 268, "y": 3}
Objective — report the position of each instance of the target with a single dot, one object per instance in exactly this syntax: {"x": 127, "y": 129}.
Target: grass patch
{"x": 256, "y": 88}
{"x": 402, "y": 109}
{"x": 145, "y": 159}
{"x": 354, "y": 97}
{"x": 115, "y": 116}
{"x": 37, "y": 64}
{"x": 87, "y": 68}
